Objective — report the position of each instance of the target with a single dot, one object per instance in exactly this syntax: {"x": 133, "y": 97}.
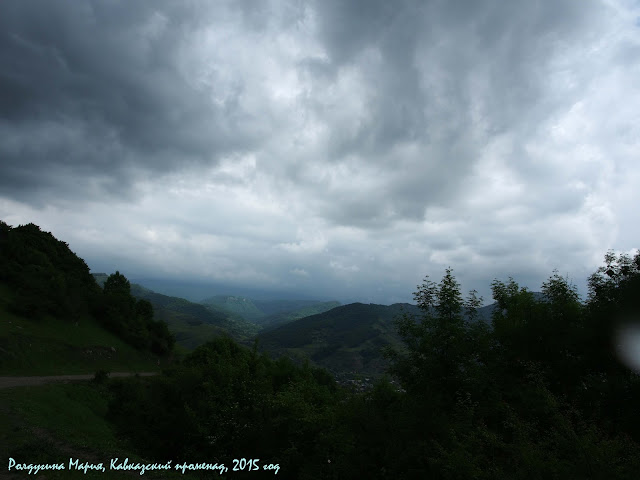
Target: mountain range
{"x": 342, "y": 338}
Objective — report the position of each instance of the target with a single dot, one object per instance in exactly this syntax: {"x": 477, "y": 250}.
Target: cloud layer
{"x": 336, "y": 149}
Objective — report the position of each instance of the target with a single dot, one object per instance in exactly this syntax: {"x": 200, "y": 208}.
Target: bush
{"x": 101, "y": 376}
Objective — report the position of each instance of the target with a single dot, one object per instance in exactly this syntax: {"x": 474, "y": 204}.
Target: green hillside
{"x": 286, "y": 316}
{"x": 348, "y": 338}
{"x": 278, "y": 306}
{"x": 268, "y": 313}
{"x": 55, "y": 346}
{"x": 193, "y": 324}
{"x": 239, "y": 305}
{"x": 55, "y": 319}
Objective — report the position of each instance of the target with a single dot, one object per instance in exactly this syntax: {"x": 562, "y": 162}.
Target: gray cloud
{"x": 96, "y": 87}
{"x": 346, "y": 148}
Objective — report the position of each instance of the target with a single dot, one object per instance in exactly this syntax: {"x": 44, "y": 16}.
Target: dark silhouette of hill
{"x": 58, "y": 317}
{"x": 348, "y": 338}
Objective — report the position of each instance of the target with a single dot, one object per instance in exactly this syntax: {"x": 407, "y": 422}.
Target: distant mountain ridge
{"x": 237, "y": 304}
{"x": 268, "y": 313}
{"x": 195, "y": 323}
{"x": 348, "y": 338}
{"x": 192, "y": 324}
{"x": 284, "y": 317}
{"x": 341, "y": 338}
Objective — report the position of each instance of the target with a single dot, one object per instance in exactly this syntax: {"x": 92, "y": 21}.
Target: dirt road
{"x": 8, "y": 382}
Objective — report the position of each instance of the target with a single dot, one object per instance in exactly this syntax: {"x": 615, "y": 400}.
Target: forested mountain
{"x": 343, "y": 339}
{"x": 273, "y": 307}
{"x": 268, "y": 313}
{"x": 348, "y": 338}
{"x": 287, "y": 316}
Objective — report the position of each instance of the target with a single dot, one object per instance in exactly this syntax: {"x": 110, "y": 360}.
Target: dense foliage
{"x": 226, "y": 400}
{"x": 45, "y": 275}
{"x": 47, "y": 278}
{"x": 540, "y": 395}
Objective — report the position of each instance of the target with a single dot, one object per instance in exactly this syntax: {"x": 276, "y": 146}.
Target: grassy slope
{"x": 238, "y": 305}
{"x": 194, "y": 324}
{"x": 189, "y": 333}
{"x": 53, "y": 423}
{"x": 55, "y": 346}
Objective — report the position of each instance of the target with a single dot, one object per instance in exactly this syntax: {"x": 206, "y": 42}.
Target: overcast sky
{"x": 338, "y": 149}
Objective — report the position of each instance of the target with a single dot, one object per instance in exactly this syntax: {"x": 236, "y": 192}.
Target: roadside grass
{"x": 52, "y": 424}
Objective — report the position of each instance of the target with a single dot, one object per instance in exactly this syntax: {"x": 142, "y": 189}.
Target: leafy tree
{"x": 449, "y": 299}
{"x": 117, "y": 285}
{"x": 472, "y": 304}
{"x": 441, "y": 349}
{"x": 512, "y": 318}
{"x": 46, "y": 276}
{"x": 144, "y": 311}
{"x": 610, "y": 387}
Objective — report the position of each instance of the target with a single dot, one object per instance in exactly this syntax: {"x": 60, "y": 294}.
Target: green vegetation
{"x": 539, "y": 392}
{"x": 54, "y": 423}
{"x": 53, "y": 310}
{"x": 267, "y": 314}
{"x": 236, "y": 304}
{"x": 54, "y": 346}
{"x": 193, "y": 324}
{"x": 521, "y": 398}
{"x": 131, "y": 320}
{"x": 349, "y": 338}
{"x": 284, "y": 316}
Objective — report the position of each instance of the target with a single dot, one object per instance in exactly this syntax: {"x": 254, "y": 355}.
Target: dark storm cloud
{"x": 105, "y": 73}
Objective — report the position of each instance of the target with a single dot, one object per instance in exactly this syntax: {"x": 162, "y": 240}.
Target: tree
{"x": 144, "y": 311}
{"x": 472, "y": 304}
{"x": 449, "y": 305}
{"x": 439, "y": 355}
{"x": 513, "y": 313}
{"x": 611, "y": 386}
{"x": 117, "y": 284}
{"x": 425, "y": 296}
{"x": 119, "y": 309}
